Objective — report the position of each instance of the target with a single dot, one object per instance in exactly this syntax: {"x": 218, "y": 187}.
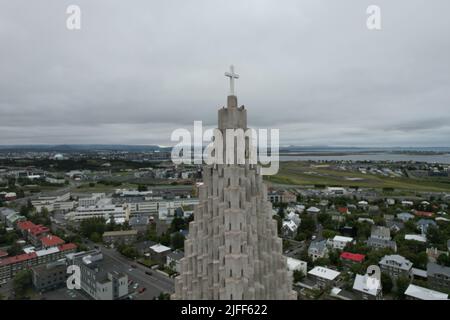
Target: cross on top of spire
{"x": 232, "y": 76}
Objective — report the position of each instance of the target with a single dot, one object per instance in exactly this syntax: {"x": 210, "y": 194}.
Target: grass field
{"x": 302, "y": 173}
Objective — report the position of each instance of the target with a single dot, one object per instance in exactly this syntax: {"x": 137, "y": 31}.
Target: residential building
{"x": 173, "y": 260}
{"x": 49, "y": 276}
{"x": 395, "y": 265}
{"x": 120, "y": 237}
{"x": 324, "y": 277}
{"x": 159, "y": 252}
{"x": 405, "y": 216}
{"x": 11, "y": 265}
{"x": 424, "y": 224}
{"x": 317, "y": 250}
{"x": 380, "y": 238}
{"x": 367, "y": 288}
{"x": 414, "y": 292}
{"x": 99, "y": 278}
{"x": 289, "y": 229}
{"x": 438, "y": 276}
{"x": 351, "y": 258}
{"x": 297, "y": 265}
{"x": 339, "y": 242}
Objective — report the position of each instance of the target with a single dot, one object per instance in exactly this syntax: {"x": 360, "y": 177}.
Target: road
{"x": 155, "y": 284}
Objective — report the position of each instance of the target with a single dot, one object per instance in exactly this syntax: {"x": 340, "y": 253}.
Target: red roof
{"x": 25, "y": 225}
{"x": 37, "y": 230}
{"x": 19, "y": 258}
{"x": 67, "y": 246}
{"x": 51, "y": 241}
{"x": 343, "y": 209}
{"x": 356, "y": 257}
{"x": 423, "y": 213}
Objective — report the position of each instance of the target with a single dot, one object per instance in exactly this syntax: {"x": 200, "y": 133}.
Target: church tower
{"x": 233, "y": 251}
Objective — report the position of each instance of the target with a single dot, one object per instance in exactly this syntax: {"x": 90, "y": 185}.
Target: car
{"x": 141, "y": 290}
{"x": 149, "y": 273}
{"x": 134, "y": 266}
{"x": 135, "y": 286}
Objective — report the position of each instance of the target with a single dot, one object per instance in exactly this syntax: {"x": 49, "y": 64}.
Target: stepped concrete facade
{"x": 233, "y": 251}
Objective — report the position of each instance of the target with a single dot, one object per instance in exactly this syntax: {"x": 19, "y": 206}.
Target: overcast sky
{"x": 137, "y": 70}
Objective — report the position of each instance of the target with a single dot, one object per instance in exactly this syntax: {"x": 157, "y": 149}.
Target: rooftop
{"x": 356, "y": 257}
{"x": 424, "y": 293}
{"x": 324, "y": 273}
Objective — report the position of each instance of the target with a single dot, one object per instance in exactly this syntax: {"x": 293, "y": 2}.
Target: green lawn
{"x": 300, "y": 173}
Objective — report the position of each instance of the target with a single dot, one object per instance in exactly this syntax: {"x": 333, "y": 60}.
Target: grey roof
{"x": 376, "y": 242}
{"x": 176, "y": 255}
{"x": 434, "y": 268}
{"x": 318, "y": 246}
{"x": 426, "y": 222}
{"x": 390, "y": 224}
{"x": 405, "y": 216}
{"x": 398, "y": 260}
{"x": 137, "y": 221}
{"x": 6, "y": 212}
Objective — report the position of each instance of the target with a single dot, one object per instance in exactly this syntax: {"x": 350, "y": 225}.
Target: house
{"x": 395, "y": 265}
{"x": 139, "y": 223}
{"x": 339, "y": 242}
{"x": 380, "y": 238}
{"x": 50, "y": 240}
{"x": 434, "y": 253}
{"x": 363, "y": 204}
{"x": 351, "y": 258}
{"x": 318, "y": 249}
{"x": 380, "y": 232}
{"x": 438, "y": 276}
{"x": 367, "y": 288}
{"x": 313, "y": 210}
{"x": 381, "y": 244}
{"x": 297, "y": 265}
{"x": 120, "y": 237}
{"x": 159, "y": 253}
{"x": 414, "y": 292}
{"x": 174, "y": 260}
{"x": 416, "y": 237}
{"x": 343, "y": 210}
{"x": 368, "y": 220}
{"x": 407, "y": 203}
{"x": 405, "y": 216}
{"x": 324, "y": 277}
{"x": 425, "y": 214}
{"x": 424, "y": 224}
{"x": 395, "y": 226}
{"x": 390, "y": 202}
{"x": 292, "y": 216}
{"x": 289, "y": 228}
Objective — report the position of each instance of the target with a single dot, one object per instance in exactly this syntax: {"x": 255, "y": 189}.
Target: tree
{"x": 164, "y": 296}
{"x": 386, "y": 283}
{"x": 22, "y": 282}
{"x": 298, "y": 275}
{"x": 177, "y": 241}
{"x": 93, "y": 225}
{"x": 402, "y": 285}
{"x": 14, "y": 250}
{"x": 142, "y": 188}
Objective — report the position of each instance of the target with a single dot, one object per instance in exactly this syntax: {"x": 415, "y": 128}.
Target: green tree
{"x": 177, "y": 241}
{"x": 22, "y": 282}
{"x": 386, "y": 283}
{"x": 402, "y": 285}
{"x": 142, "y": 188}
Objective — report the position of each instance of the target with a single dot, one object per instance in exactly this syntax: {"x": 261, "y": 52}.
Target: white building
{"x": 297, "y": 265}
{"x": 339, "y": 242}
{"x": 369, "y": 288}
{"x": 414, "y": 292}
{"x": 324, "y": 276}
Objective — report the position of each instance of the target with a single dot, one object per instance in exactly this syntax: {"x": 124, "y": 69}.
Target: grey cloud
{"x": 137, "y": 70}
